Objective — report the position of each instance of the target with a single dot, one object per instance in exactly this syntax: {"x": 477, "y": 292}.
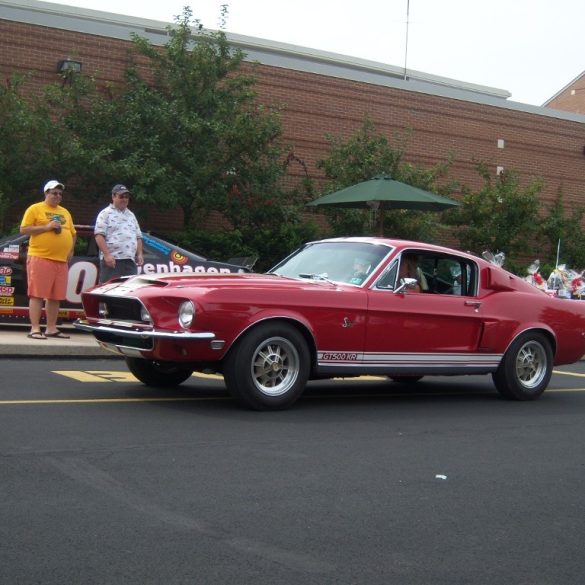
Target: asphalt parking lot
{"x": 107, "y": 481}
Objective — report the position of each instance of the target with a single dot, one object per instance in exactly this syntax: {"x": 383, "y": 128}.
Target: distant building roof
{"x": 565, "y": 88}
{"x": 272, "y": 53}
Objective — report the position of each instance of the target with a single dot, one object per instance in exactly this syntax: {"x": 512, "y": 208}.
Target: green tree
{"x": 500, "y": 217}
{"x": 183, "y": 128}
{"x": 562, "y": 232}
{"x": 365, "y": 155}
{"x": 30, "y": 147}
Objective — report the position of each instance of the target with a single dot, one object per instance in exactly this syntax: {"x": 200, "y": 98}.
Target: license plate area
{"x": 144, "y": 343}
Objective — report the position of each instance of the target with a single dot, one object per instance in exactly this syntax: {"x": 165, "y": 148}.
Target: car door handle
{"x": 475, "y": 304}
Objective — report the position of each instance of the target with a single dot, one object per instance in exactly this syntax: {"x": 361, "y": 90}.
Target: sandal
{"x": 57, "y": 335}
{"x": 36, "y": 335}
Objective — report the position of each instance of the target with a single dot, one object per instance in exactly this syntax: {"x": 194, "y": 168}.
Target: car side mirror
{"x": 405, "y": 284}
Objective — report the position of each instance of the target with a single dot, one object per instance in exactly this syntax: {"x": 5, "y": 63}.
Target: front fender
{"x": 297, "y": 319}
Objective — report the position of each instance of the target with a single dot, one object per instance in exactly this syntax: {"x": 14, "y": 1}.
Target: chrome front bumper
{"x": 121, "y": 339}
{"x": 176, "y": 335}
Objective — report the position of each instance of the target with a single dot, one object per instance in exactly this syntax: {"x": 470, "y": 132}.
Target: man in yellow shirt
{"x": 52, "y": 240}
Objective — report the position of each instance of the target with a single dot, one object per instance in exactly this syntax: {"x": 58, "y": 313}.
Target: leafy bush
{"x": 269, "y": 244}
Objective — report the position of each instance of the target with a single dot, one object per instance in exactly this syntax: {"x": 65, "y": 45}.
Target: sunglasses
{"x": 123, "y": 195}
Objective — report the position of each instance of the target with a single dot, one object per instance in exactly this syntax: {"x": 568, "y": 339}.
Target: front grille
{"x": 122, "y": 309}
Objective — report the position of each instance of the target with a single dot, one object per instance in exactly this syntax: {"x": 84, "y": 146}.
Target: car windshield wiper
{"x": 314, "y": 276}
{"x": 282, "y": 275}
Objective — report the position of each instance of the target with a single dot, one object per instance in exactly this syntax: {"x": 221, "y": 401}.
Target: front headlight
{"x": 145, "y": 315}
{"x": 186, "y": 314}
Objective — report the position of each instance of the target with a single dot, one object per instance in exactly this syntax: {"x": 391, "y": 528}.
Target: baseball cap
{"x": 119, "y": 189}
{"x": 52, "y": 184}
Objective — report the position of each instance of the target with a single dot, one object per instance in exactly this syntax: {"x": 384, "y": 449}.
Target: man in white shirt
{"x": 118, "y": 237}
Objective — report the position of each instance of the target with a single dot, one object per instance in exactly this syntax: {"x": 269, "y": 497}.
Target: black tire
{"x": 268, "y": 368}
{"x": 526, "y": 368}
{"x": 406, "y": 379}
{"x": 157, "y": 374}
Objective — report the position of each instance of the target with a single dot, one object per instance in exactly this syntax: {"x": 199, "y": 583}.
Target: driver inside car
{"x": 361, "y": 267}
{"x": 410, "y": 269}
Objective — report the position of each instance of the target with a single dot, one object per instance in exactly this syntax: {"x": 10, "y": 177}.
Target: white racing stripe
{"x": 355, "y": 359}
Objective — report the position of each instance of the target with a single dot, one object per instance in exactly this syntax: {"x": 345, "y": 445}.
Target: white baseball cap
{"x": 52, "y": 184}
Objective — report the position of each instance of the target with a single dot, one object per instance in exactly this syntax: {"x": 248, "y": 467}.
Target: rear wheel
{"x": 157, "y": 374}
{"x": 268, "y": 368}
{"x": 526, "y": 368}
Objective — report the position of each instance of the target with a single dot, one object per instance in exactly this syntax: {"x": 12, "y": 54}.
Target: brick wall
{"x": 534, "y": 145}
{"x": 571, "y": 98}
{"x": 316, "y": 105}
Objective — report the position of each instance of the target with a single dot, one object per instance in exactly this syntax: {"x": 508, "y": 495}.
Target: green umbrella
{"x": 383, "y": 192}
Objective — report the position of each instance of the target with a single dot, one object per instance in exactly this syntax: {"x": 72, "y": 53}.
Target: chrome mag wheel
{"x": 275, "y": 366}
{"x": 531, "y": 364}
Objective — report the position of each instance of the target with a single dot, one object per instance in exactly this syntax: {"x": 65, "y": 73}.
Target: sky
{"x": 531, "y": 48}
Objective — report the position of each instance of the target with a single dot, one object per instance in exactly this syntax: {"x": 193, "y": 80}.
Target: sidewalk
{"x": 14, "y": 342}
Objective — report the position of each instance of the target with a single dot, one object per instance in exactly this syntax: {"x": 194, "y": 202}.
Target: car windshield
{"x": 346, "y": 262}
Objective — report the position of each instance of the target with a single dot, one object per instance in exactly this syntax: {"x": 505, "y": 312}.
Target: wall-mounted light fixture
{"x": 68, "y": 66}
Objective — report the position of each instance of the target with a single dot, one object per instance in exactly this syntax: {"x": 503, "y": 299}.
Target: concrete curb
{"x": 15, "y": 343}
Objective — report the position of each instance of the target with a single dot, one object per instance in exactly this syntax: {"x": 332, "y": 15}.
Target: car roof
{"x": 400, "y": 244}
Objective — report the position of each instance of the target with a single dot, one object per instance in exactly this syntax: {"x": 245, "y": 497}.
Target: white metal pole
{"x": 406, "y": 44}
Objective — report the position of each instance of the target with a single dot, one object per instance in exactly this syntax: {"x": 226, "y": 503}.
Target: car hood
{"x": 182, "y": 281}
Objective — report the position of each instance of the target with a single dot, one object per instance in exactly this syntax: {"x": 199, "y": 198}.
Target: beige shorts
{"x": 47, "y": 279}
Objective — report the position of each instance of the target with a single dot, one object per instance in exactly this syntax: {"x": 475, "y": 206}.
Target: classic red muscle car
{"x": 340, "y": 307}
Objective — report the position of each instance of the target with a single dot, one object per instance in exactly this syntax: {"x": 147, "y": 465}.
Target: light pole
{"x": 406, "y": 43}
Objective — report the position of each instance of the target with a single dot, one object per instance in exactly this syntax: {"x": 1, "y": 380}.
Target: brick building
{"x": 571, "y": 98}
{"x": 325, "y": 93}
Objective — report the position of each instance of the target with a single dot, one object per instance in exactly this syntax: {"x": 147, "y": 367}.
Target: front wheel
{"x": 526, "y": 368}
{"x": 268, "y": 368}
{"x": 157, "y": 374}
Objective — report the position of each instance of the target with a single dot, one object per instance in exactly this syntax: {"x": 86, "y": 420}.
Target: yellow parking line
{"x": 86, "y": 376}
{"x": 125, "y": 376}
{"x": 113, "y": 375}
{"x": 215, "y": 398}
{"x": 569, "y": 374}
{"x": 114, "y": 400}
